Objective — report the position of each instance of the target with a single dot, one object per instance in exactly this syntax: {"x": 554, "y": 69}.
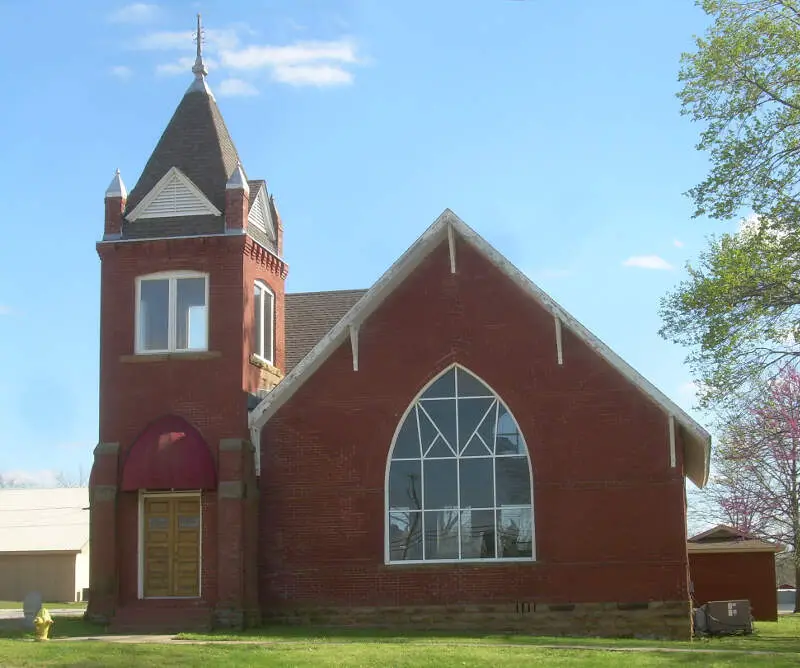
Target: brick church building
{"x": 446, "y": 449}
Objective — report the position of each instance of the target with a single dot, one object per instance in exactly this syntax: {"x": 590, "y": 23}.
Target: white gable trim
{"x": 698, "y": 441}
{"x": 260, "y": 216}
{"x": 173, "y": 195}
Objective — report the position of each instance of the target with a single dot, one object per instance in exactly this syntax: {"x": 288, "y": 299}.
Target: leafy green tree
{"x": 738, "y": 310}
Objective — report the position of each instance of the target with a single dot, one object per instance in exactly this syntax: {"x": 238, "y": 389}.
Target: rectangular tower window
{"x": 264, "y": 306}
{"x": 172, "y": 313}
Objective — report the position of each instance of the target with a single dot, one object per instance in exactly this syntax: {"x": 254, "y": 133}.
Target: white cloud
{"x": 138, "y": 12}
{"x": 302, "y": 63}
{"x": 312, "y": 75}
{"x": 182, "y": 66}
{"x": 165, "y": 41}
{"x": 647, "y": 262}
{"x": 236, "y": 88}
{"x": 184, "y": 40}
{"x": 121, "y": 72}
{"x": 256, "y": 57}
{"x": 677, "y": 243}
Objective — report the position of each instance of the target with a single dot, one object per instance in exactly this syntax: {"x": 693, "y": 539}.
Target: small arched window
{"x": 459, "y": 484}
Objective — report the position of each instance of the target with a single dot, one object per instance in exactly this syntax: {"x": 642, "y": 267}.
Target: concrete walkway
{"x": 172, "y": 640}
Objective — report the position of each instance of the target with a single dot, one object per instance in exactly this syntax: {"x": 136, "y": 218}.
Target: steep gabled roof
{"x": 697, "y": 441}
{"x": 197, "y": 142}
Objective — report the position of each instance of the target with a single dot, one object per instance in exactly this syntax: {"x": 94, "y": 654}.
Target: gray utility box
{"x": 728, "y": 617}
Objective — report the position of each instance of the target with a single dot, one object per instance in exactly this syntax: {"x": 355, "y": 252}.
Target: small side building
{"x": 44, "y": 543}
{"x": 726, "y": 564}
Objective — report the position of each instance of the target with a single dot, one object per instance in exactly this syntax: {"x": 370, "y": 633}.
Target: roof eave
{"x": 698, "y": 440}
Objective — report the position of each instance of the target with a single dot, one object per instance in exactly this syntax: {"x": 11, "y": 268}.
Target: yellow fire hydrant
{"x": 41, "y": 624}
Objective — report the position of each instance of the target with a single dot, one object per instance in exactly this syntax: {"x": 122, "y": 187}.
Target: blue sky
{"x": 550, "y": 126}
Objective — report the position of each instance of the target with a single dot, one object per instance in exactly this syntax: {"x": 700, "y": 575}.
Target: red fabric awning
{"x": 169, "y": 454}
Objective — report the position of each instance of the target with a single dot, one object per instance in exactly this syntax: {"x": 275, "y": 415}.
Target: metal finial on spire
{"x": 199, "y": 67}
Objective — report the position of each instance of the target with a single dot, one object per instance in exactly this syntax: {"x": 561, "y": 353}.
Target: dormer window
{"x": 263, "y": 339}
{"x": 172, "y": 312}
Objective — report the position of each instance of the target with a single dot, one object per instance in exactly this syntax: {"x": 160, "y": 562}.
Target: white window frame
{"x": 172, "y": 277}
{"x": 259, "y": 345}
{"x": 387, "y": 507}
{"x": 144, "y": 494}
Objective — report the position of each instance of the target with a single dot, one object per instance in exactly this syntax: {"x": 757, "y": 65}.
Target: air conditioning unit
{"x": 724, "y": 618}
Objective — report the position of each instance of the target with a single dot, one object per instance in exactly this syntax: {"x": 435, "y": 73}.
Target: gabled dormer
{"x": 173, "y": 196}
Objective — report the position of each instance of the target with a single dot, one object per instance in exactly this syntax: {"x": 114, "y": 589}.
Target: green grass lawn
{"x": 290, "y": 646}
{"x": 17, "y": 654}
{"x": 17, "y": 605}
{"x": 780, "y": 636}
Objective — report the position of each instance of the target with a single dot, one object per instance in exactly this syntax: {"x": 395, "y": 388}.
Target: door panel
{"x": 171, "y": 546}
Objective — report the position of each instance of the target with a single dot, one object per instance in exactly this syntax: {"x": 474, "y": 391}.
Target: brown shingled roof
{"x": 310, "y": 316}
{"x": 197, "y": 142}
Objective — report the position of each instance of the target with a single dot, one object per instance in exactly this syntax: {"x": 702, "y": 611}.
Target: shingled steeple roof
{"x": 195, "y": 141}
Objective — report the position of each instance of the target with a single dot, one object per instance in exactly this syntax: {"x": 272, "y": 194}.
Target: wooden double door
{"x": 171, "y": 555}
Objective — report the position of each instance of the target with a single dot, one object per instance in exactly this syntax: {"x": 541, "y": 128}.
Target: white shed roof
{"x": 44, "y": 520}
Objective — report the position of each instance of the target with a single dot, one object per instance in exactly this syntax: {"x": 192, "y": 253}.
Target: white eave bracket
{"x": 354, "y": 345}
{"x": 559, "y": 345}
{"x": 672, "y": 455}
{"x": 451, "y": 244}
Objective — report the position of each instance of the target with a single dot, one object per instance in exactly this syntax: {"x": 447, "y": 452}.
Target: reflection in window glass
{"x": 172, "y": 314}
{"x": 154, "y": 315}
{"x": 262, "y": 322}
{"x": 459, "y": 478}
{"x": 191, "y": 314}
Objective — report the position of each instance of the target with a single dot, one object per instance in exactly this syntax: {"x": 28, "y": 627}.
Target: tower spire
{"x": 199, "y": 67}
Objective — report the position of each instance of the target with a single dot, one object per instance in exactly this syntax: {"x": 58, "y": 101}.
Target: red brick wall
{"x": 262, "y": 266}
{"x": 609, "y": 511}
{"x": 136, "y": 390}
{"x": 734, "y": 576}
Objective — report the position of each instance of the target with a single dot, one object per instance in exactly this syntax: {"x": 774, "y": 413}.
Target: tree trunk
{"x": 797, "y": 585}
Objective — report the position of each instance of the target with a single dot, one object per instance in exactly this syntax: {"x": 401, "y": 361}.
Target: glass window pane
{"x": 514, "y": 532}
{"x": 405, "y": 536}
{"x": 191, "y": 330}
{"x": 443, "y": 414}
{"x": 439, "y": 449}
{"x": 257, "y": 320}
{"x": 509, "y": 440}
{"x": 471, "y": 412}
{"x": 441, "y": 534}
{"x": 444, "y": 386}
{"x": 267, "y": 325}
{"x": 427, "y": 431}
{"x": 406, "y": 444}
{"x": 476, "y": 480}
{"x": 405, "y": 485}
{"x": 469, "y": 386}
{"x": 154, "y": 314}
{"x": 441, "y": 489}
{"x": 477, "y": 534}
{"x": 513, "y": 481}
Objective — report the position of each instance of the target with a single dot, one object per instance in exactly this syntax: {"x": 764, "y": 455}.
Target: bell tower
{"x": 192, "y": 304}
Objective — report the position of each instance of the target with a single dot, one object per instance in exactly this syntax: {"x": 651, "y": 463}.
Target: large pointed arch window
{"x": 459, "y": 480}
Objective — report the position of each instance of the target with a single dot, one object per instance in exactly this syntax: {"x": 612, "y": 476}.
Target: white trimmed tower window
{"x": 263, "y": 319}
{"x": 459, "y": 482}
{"x": 171, "y": 312}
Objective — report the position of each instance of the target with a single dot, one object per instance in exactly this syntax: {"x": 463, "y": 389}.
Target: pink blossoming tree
{"x": 756, "y": 486}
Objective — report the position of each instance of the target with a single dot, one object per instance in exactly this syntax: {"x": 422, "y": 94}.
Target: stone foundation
{"x": 655, "y": 619}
